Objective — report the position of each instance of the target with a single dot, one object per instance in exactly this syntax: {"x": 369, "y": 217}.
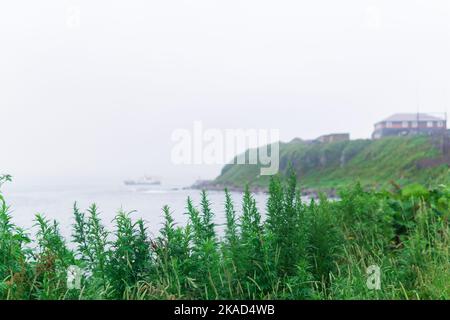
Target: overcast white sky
{"x": 100, "y": 100}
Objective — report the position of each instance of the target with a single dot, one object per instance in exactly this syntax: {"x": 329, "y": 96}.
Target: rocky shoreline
{"x": 213, "y": 186}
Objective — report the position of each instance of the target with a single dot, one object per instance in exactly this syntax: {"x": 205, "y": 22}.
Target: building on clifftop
{"x": 404, "y": 124}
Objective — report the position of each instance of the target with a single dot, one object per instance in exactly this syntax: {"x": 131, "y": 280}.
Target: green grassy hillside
{"x": 404, "y": 160}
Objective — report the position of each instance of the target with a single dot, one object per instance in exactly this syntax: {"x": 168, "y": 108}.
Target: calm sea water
{"x": 57, "y": 203}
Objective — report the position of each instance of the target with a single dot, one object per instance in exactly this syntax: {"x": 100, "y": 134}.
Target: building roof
{"x": 335, "y": 134}
{"x": 398, "y": 117}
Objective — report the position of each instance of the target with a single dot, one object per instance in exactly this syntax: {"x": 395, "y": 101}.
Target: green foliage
{"x": 14, "y": 274}
{"x": 52, "y": 261}
{"x": 130, "y": 257}
{"x": 231, "y": 233}
{"x": 316, "y": 249}
{"x": 284, "y": 225}
{"x": 337, "y": 165}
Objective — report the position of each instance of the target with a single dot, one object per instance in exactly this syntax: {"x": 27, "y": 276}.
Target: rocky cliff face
{"x": 330, "y": 165}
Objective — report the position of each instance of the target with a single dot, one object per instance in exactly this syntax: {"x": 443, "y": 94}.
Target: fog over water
{"x": 91, "y": 91}
{"x": 57, "y": 203}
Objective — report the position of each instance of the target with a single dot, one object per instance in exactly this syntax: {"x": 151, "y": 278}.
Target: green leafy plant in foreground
{"x": 297, "y": 249}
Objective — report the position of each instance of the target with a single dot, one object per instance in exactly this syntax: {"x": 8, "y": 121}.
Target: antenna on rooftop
{"x": 445, "y": 114}
{"x": 418, "y": 107}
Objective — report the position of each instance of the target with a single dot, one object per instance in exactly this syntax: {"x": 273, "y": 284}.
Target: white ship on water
{"x": 144, "y": 181}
